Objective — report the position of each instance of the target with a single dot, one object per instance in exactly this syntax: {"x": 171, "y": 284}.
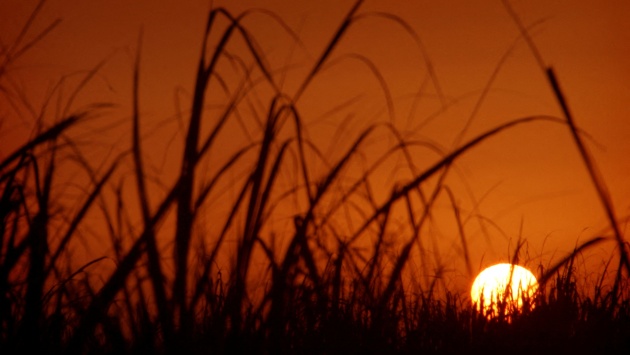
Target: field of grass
{"x": 265, "y": 242}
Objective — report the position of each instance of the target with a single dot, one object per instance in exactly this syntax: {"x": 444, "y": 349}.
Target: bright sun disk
{"x": 491, "y": 285}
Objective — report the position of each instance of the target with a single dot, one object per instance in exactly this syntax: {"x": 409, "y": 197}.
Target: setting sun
{"x": 502, "y": 284}
{"x": 274, "y": 177}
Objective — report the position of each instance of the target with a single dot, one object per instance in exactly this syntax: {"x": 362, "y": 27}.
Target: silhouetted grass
{"x": 321, "y": 291}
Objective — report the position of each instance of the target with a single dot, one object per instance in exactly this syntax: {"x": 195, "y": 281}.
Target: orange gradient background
{"x": 530, "y": 182}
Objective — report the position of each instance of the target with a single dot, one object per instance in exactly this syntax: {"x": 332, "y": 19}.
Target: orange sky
{"x": 532, "y": 175}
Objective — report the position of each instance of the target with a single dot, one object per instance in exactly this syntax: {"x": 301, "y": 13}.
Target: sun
{"x": 503, "y": 289}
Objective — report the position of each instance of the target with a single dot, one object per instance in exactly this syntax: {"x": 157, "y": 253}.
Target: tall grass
{"x": 334, "y": 278}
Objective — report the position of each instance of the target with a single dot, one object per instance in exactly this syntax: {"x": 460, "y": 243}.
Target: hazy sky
{"x": 531, "y": 175}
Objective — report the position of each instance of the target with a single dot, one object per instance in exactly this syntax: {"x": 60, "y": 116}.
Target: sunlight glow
{"x": 503, "y": 289}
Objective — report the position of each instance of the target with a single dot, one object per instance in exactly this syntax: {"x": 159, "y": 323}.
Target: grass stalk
{"x": 155, "y": 269}
{"x": 596, "y": 179}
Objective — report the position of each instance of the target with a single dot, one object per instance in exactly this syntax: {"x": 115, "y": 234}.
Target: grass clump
{"x": 333, "y": 278}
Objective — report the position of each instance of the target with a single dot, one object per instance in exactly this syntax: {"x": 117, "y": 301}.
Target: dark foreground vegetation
{"x": 232, "y": 283}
